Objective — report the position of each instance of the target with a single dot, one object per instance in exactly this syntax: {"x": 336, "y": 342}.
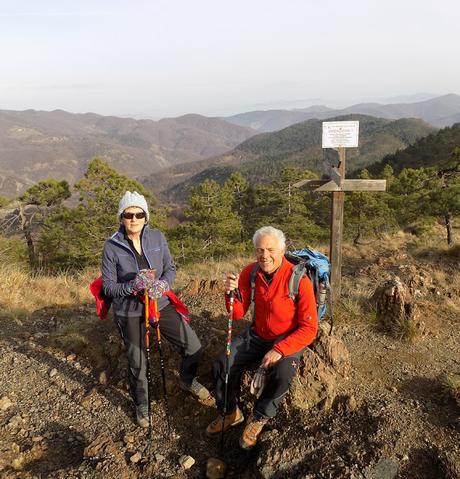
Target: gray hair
{"x": 270, "y": 231}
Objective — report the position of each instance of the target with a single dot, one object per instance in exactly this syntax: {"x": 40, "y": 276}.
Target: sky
{"x": 155, "y": 58}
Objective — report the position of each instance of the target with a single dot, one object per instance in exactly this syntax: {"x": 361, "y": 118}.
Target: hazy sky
{"x": 165, "y": 58}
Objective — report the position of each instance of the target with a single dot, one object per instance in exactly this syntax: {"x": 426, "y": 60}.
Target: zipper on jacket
{"x": 129, "y": 249}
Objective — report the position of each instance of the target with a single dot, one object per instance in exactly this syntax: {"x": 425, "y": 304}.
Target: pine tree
{"x": 367, "y": 214}
{"x": 74, "y": 237}
{"x": 212, "y": 229}
{"x": 45, "y": 197}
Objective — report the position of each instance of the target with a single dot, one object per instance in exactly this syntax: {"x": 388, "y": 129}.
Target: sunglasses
{"x": 130, "y": 216}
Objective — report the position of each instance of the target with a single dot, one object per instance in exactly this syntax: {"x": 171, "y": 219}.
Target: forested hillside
{"x": 36, "y": 145}
{"x": 263, "y": 157}
{"x": 428, "y": 151}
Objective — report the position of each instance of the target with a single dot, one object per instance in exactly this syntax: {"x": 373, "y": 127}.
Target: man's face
{"x": 269, "y": 255}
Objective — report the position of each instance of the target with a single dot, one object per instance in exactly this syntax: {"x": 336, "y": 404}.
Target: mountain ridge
{"x": 440, "y": 111}
{"x": 263, "y": 156}
{"x": 35, "y": 145}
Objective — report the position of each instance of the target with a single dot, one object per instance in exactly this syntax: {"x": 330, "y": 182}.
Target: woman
{"x": 132, "y": 248}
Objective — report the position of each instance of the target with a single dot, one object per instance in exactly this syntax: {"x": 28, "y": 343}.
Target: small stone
{"x": 15, "y": 448}
{"x": 186, "y": 461}
{"x": 159, "y": 457}
{"x": 15, "y": 421}
{"x": 103, "y": 378}
{"x": 5, "y": 403}
{"x": 18, "y": 462}
{"x": 128, "y": 439}
{"x": 53, "y": 373}
{"x": 352, "y": 404}
{"x": 215, "y": 468}
{"x": 135, "y": 458}
{"x": 71, "y": 357}
{"x": 37, "y": 439}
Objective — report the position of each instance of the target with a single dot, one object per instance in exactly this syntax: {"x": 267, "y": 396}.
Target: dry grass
{"x": 211, "y": 269}
{"x": 22, "y": 290}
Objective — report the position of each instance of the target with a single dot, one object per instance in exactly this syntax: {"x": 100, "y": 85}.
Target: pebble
{"x": 71, "y": 357}
{"x": 5, "y": 403}
{"x": 53, "y": 373}
{"x": 186, "y": 461}
{"x": 135, "y": 458}
{"x": 159, "y": 457}
{"x": 15, "y": 421}
{"x": 103, "y": 378}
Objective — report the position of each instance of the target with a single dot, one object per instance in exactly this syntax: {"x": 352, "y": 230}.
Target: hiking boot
{"x": 252, "y": 431}
{"x": 196, "y": 388}
{"x": 232, "y": 419}
{"x": 142, "y": 415}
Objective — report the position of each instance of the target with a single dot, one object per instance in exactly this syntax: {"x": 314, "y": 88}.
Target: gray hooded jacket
{"x": 119, "y": 267}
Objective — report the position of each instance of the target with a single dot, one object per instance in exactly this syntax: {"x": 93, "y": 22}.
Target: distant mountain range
{"x": 262, "y": 157}
{"x": 35, "y": 145}
{"x": 440, "y": 112}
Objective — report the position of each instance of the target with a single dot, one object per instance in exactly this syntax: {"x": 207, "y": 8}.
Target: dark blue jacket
{"x": 119, "y": 267}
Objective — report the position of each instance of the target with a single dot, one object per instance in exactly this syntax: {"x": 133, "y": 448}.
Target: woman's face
{"x": 133, "y": 226}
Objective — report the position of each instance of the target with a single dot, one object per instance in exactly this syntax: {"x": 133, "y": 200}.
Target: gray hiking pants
{"x": 174, "y": 329}
{"x": 249, "y": 349}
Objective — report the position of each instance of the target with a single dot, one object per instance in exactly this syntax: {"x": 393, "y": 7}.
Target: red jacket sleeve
{"x": 307, "y": 321}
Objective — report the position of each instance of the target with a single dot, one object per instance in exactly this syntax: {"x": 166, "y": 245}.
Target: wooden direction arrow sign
{"x": 347, "y": 185}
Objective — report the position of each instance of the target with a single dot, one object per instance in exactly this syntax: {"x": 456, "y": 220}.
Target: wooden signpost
{"x": 339, "y": 135}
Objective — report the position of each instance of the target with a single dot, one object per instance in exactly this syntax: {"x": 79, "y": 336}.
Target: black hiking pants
{"x": 249, "y": 349}
{"x": 174, "y": 329}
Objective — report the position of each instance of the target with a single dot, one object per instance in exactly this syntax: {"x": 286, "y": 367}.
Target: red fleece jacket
{"x": 275, "y": 312}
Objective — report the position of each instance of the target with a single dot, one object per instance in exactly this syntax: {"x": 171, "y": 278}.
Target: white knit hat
{"x": 133, "y": 199}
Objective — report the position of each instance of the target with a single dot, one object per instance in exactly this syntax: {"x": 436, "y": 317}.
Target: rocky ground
{"x": 365, "y": 405}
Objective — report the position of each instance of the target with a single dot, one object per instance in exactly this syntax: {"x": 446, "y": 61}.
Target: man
{"x": 281, "y": 329}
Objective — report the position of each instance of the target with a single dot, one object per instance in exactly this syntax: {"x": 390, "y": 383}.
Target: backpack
{"x": 317, "y": 267}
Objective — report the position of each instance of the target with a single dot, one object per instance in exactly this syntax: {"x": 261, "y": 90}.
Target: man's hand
{"x": 270, "y": 359}
{"x": 231, "y": 282}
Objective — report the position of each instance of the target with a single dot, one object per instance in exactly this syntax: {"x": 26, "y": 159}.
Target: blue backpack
{"x": 317, "y": 267}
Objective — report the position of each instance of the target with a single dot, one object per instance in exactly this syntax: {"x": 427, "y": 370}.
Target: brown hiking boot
{"x": 232, "y": 419}
{"x": 252, "y": 431}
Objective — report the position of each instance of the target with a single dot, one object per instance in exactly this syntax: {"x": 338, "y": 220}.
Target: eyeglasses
{"x": 130, "y": 216}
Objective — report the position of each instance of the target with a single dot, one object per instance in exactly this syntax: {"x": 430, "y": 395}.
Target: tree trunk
{"x": 448, "y": 221}
{"x": 26, "y": 231}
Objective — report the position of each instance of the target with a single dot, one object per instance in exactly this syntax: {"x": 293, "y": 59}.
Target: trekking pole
{"x": 147, "y": 353}
{"x": 227, "y": 366}
{"x": 162, "y": 362}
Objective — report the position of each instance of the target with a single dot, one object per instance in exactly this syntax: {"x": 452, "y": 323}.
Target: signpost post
{"x": 339, "y": 135}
